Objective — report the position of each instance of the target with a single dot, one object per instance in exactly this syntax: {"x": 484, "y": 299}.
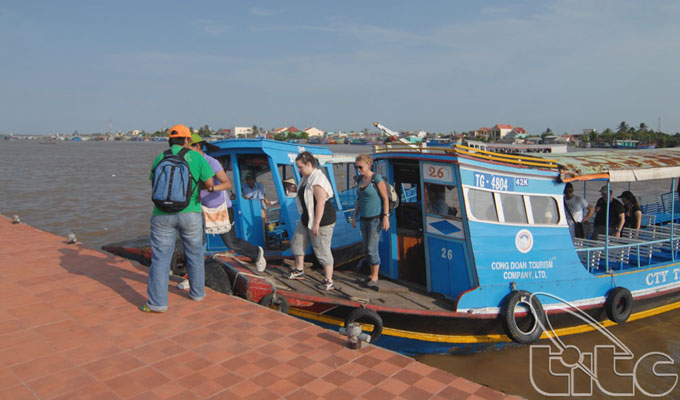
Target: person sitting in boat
{"x": 219, "y": 197}
{"x": 317, "y": 219}
{"x": 254, "y": 190}
{"x": 616, "y": 215}
{"x": 289, "y": 187}
{"x": 436, "y": 203}
{"x": 633, "y": 217}
{"x": 373, "y": 206}
{"x": 578, "y": 212}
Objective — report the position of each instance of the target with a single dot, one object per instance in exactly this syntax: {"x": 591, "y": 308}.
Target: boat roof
{"x": 619, "y": 165}
{"x": 612, "y": 165}
{"x": 278, "y": 150}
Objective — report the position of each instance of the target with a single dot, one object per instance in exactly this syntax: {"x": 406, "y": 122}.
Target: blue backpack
{"x": 173, "y": 183}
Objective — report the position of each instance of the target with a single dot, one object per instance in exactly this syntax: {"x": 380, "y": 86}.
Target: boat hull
{"x": 420, "y": 332}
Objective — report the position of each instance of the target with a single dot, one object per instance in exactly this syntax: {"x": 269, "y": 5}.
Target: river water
{"x": 100, "y": 191}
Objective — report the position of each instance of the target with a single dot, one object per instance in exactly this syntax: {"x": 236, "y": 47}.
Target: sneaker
{"x": 297, "y": 274}
{"x": 372, "y": 284}
{"x": 184, "y": 285}
{"x": 260, "y": 263}
{"x": 326, "y": 285}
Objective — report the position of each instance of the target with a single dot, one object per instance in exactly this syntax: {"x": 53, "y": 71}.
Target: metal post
{"x": 672, "y": 216}
{"x": 606, "y": 230}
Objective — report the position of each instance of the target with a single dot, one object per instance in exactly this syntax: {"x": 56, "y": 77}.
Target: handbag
{"x": 216, "y": 220}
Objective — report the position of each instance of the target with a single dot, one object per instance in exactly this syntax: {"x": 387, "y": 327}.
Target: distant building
{"x": 243, "y": 131}
{"x": 483, "y": 133}
{"x": 314, "y": 132}
{"x": 225, "y": 133}
{"x": 500, "y": 130}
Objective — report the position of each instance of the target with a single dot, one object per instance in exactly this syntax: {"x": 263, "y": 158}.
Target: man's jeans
{"x": 163, "y": 234}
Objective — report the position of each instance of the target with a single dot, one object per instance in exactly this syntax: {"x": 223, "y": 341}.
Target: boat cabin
{"x": 270, "y": 221}
{"x": 474, "y": 225}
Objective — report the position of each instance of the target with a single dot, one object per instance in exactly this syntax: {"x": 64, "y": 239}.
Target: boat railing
{"x": 517, "y": 159}
{"x": 662, "y": 206}
{"x": 635, "y": 248}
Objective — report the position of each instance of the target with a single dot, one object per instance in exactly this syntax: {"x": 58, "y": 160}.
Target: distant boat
{"x": 632, "y": 144}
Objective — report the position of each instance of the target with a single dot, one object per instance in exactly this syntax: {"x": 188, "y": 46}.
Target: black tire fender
{"x": 216, "y": 277}
{"x": 275, "y": 301}
{"x": 368, "y": 316}
{"x": 529, "y": 329}
{"x": 619, "y": 304}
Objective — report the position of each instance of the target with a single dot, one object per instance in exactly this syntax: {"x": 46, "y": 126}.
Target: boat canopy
{"x": 619, "y": 165}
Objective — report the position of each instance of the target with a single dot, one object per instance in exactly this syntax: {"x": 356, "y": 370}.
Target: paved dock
{"x": 70, "y": 329}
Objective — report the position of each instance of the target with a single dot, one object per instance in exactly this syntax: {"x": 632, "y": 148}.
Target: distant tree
{"x": 204, "y": 131}
{"x": 304, "y": 135}
{"x": 623, "y": 127}
{"x": 256, "y": 130}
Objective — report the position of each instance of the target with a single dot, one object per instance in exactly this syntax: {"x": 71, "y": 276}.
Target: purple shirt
{"x": 214, "y": 199}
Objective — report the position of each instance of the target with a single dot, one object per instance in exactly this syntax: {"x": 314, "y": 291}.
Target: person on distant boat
{"x": 289, "y": 187}
{"x": 578, "y": 212}
{"x": 633, "y": 210}
{"x": 617, "y": 215}
{"x": 373, "y": 206}
{"x": 317, "y": 219}
{"x": 188, "y": 221}
{"x": 219, "y": 197}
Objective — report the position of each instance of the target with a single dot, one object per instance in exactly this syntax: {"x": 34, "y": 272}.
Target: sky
{"x": 439, "y": 66}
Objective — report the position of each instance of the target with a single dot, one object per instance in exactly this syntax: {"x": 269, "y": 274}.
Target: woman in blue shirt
{"x": 373, "y": 207}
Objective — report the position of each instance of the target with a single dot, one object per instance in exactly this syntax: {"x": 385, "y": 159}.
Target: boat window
{"x": 442, "y": 200}
{"x": 409, "y": 193}
{"x": 482, "y": 205}
{"x": 345, "y": 180}
{"x": 225, "y": 161}
{"x": 544, "y": 210}
{"x": 513, "y": 208}
{"x": 289, "y": 186}
{"x": 257, "y": 167}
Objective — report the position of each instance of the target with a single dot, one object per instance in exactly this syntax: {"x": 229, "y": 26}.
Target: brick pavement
{"x": 70, "y": 329}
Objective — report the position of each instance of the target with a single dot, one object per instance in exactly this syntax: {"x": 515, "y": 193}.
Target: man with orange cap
{"x": 188, "y": 221}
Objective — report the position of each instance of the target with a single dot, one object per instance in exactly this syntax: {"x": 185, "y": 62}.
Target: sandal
{"x": 145, "y": 308}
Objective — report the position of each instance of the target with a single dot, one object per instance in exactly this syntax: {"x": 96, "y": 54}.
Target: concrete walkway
{"x": 70, "y": 329}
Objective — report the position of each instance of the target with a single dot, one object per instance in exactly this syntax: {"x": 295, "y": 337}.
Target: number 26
{"x": 447, "y": 254}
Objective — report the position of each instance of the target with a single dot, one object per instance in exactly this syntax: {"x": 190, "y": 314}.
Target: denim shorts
{"x": 370, "y": 234}
{"x": 321, "y": 244}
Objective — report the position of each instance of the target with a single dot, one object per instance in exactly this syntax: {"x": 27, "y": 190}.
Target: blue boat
{"x": 478, "y": 255}
{"x": 461, "y": 278}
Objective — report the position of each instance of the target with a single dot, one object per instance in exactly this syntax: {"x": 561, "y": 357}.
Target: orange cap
{"x": 179, "y": 131}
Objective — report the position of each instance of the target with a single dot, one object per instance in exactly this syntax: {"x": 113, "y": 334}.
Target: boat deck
{"x": 350, "y": 285}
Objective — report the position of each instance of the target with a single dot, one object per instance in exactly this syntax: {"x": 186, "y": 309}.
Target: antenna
{"x": 109, "y": 127}
{"x": 659, "y": 125}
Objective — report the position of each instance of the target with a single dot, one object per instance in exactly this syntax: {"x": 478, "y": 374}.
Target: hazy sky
{"x": 338, "y": 65}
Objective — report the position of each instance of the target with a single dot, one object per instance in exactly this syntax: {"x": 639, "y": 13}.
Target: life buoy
{"x": 367, "y": 316}
{"x": 619, "y": 304}
{"x": 528, "y": 329}
{"x": 275, "y": 301}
